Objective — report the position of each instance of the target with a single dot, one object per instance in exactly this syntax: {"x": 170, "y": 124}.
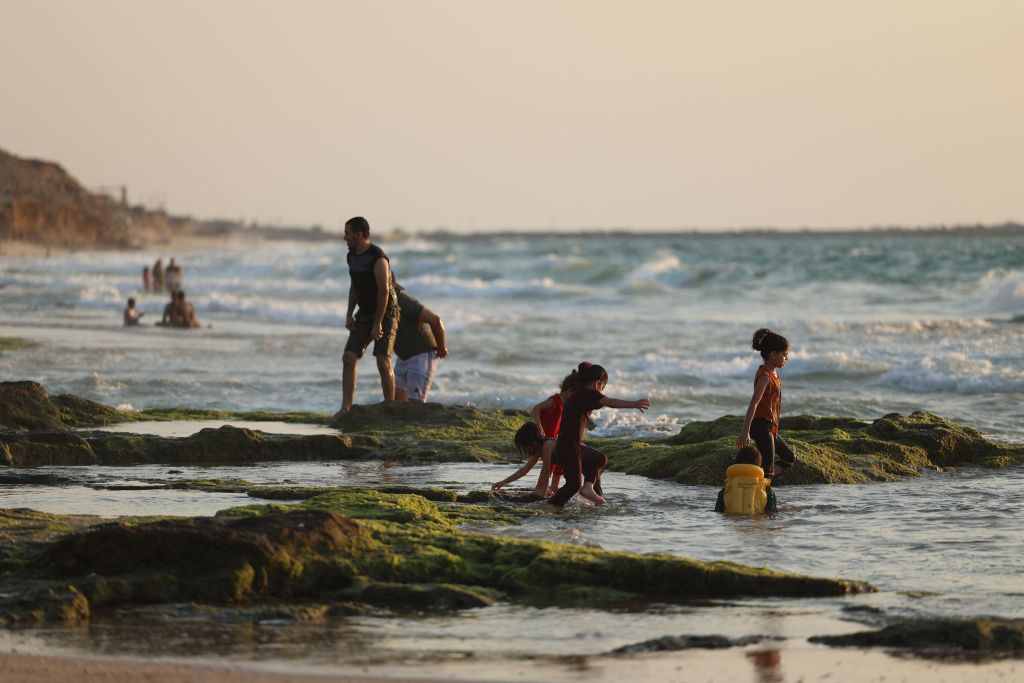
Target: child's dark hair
{"x": 528, "y": 438}
{"x": 584, "y": 374}
{"x": 131, "y": 301}
{"x": 768, "y": 342}
{"x": 748, "y": 455}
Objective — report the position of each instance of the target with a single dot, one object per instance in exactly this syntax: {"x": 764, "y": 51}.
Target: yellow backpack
{"x": 745, "y": 490}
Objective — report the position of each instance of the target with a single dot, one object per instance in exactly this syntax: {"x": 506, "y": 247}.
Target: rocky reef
{"x": 829, "y": 450}
{"x": 36, "y": 429}
{"x": 346, "y": 549}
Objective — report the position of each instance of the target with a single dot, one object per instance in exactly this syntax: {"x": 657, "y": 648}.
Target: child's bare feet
{"x": 588, "y": 492}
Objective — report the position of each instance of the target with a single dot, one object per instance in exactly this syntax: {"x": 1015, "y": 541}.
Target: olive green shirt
{"x": 413, "y": 337}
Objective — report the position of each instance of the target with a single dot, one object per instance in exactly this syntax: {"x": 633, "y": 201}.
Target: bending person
{"x": 420, "y": 345}
{"x": 582, "y": 464}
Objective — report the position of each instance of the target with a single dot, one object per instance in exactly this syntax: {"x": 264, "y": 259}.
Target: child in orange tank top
{"x": 762, "y": 419}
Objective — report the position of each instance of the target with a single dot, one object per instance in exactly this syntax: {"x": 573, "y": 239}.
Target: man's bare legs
{"x": 387, "y": 378}
{"x": 348, "y": 383}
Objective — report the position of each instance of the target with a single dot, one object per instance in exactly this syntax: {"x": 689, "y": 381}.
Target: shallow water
{"x": 180, "y": 428}
{"x": 950, "y": 540}
{"x": 956, "y": 537}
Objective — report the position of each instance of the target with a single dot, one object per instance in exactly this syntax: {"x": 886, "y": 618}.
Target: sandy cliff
{"x": 41, "y": 203}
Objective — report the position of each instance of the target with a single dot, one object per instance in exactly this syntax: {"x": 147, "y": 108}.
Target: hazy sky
{"x": 520, "y": 114}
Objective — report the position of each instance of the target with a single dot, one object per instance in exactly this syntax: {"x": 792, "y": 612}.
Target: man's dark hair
{"x": 358, "y": 224}
{"x": 180, "y": 296}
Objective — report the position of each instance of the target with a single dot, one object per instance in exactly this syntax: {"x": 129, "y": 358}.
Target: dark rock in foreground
{"x": 675, "y": 643}
{"x": 351, "y": 546}
{"x": 988, "y": 637}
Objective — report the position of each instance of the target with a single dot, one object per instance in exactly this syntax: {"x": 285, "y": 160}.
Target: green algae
{"x": 829, "y": 450}
{"x": 350, "y": 544}
{"x": 436, "y": 432}
{"x": 419, "y": 542}
{"x": 27, "y": 406}
{"x": 16, "y": 344}
{"x": 23, "y": 532}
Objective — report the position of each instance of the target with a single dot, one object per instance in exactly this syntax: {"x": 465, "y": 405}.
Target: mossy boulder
{"x": 940, "y": 636}
{"x": 218, "y": 559}
{"x": 829, "y": 450}
{"x": 64, "y": 604}
{"x": 27, "y": 406}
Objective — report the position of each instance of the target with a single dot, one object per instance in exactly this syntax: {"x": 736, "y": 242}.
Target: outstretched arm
{"x": 759, "y": 386}
{"x": 437, "y": 327}
{"x": 518, "y": 474}
{"x": 641, "y": 404}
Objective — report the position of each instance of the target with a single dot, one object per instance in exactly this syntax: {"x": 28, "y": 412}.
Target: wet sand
{"x": 732, "y": 666}
{"x": 19, "y": 668}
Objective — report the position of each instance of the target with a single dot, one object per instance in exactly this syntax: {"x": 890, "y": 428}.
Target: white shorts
{"x": 415, "y": 374}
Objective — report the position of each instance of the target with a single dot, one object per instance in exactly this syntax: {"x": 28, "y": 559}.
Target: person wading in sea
{"x": 372, "y": 291}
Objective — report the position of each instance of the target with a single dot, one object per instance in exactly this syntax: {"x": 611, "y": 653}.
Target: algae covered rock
{"x": 27, "y": 406}
{"x": 46, "y": 447}
{"x": 993, "y": 637}
{"x": 225, "y": 444}
{"x": 829, "y": 450}
{"x": 351, "y": 547}
{"x": 223, "y": 559}
{"x": 47, "y": 605}
{"x": 436, "y": 432}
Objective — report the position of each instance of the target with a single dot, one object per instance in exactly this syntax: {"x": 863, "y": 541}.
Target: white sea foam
{"x": 873, "y": 328}
{"x": 103, "y": 293}
{"x": 803, "y": 362}
{"x": 262, "y": 308}
{"x": 1002, "y": 290}
{"x": 454, "y": 287}
{"x": 955, "y": 372}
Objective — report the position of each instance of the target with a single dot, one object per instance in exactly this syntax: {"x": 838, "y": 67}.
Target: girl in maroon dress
{"x": 582, "y": 464}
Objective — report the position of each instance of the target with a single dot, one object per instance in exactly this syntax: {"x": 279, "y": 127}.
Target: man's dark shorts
{"x": 362, "y": 335}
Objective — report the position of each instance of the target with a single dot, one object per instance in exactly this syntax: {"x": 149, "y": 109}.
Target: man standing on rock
{"x": 373, "y": 293}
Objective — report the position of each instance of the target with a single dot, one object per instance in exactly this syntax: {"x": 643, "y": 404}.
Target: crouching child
{"x": 746, "y": 491}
